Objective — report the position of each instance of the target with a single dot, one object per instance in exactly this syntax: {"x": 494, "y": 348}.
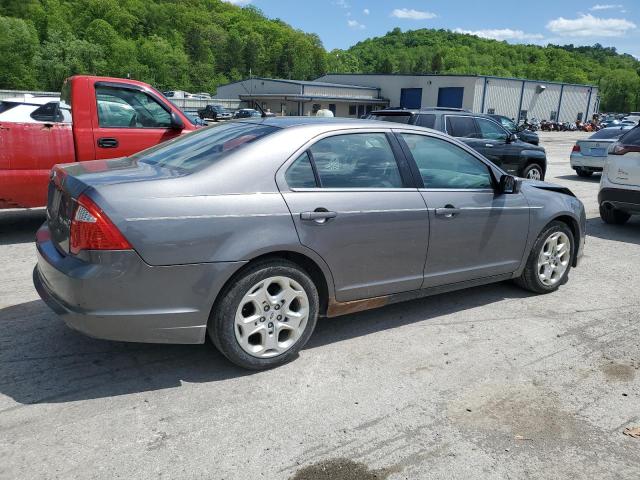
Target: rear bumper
{"x": 622, "y": 199}
{"x": 591, "y": 163}
{"x": 117, "y": 296}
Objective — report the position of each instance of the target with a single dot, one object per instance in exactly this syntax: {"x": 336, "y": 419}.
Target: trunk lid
{"x": 595, "y": 148}
{"x": 624, "y": 169}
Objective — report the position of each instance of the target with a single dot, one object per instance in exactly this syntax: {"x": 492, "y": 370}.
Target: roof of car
{"x": 411, "y": 111}
{"x": 32, "y": 99}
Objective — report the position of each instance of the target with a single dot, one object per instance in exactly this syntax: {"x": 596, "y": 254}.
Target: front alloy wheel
{"x": 533, "y": 172}
{"x": 554, "y": 258}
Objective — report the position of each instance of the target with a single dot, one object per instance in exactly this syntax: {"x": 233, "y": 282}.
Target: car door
{"x": 497, "y": 146}
{"x": 354, "y": 204}
{"x": 129, "y": 120}
{"x": 474, "y": 231}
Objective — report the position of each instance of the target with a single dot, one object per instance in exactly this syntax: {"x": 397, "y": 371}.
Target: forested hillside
{"x": 193, "y": 45}
{"x": 447, "y": 52}
{"x": 196, "y": 45}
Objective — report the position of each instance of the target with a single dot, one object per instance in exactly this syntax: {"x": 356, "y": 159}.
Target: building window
{"x": 580, "y": 115}
{"x": 491, "y": 111}
{"x": 360, "y": 110}
{"x": 353, "y": 109}
{"x": 316, "y": 107}
{"x": 523, "y": 115}
{"x": 553, "y": 115}
{"x": 369, "y": 109}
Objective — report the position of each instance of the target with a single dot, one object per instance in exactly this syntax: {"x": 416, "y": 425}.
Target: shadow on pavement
{"x": 43, "y": 361}
{"x": 595, "y": 178}
{"x": 19, "y": 226}
{"x": 628, "y": 233}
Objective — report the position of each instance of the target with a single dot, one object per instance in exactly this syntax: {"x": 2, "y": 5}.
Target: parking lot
{"x": 491, "y": 382}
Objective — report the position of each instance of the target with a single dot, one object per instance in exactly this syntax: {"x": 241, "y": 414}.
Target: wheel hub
{"x": 553, "y": 259}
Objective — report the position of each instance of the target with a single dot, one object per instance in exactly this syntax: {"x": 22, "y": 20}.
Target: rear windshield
{"x": 632, "y": 137}
{"x": 204, "y": 147}
{"x": 392, "y": 118}
{"x": 608, "y": 133}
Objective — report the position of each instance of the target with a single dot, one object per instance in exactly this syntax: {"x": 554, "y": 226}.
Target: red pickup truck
{"x": 95, "y": 118}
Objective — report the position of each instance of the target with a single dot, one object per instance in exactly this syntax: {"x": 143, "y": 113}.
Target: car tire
{"x": 533, "y": 171}
{"x": 249, "y": 324}
{"x": 547, "y": 277}
{"x": 612, "y": 215}
{"x": 583, "y": 173}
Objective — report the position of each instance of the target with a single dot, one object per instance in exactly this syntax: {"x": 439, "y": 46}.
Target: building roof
{"x": 456, "y": 75}
{"x": 313, "y": 83}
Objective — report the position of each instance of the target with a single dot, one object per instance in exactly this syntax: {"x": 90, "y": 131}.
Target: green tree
{"x": 19, "y": 49}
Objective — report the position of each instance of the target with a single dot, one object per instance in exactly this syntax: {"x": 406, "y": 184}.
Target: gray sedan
{"x": 249, "y": 231}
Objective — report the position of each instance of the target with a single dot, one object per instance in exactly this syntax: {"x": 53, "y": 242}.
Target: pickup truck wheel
{"x": 533, "y": 171}
{"x": 583, "y": 173}
{"x": 549, "y": 261}
{"x": 265, "y": 316}
{"x": 612, "y": 215}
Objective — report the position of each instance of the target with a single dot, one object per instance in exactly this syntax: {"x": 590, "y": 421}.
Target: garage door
{"x": 410, "y": 98}
{"x": 450, "y": 97}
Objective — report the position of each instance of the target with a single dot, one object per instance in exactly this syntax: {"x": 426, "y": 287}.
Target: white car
{"x": 619, "y": 195}
{"x": 589, "y": 155}
{"x": 33, "y": 109}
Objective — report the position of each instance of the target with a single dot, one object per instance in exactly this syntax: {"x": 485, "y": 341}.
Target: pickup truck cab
{"x": 95, "y": 118}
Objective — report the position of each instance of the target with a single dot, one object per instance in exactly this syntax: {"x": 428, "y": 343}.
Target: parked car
{"x": 481, "y": 133}
{"x": 350, "y": 215}
{"x": 247, "y": 113}
{"x": 619, "y": 195}
{"x": 95, "y": 118}
{"x": 215, "y": 113}
{"x": 588, "y": 156}
{"x": 33, "y": 109}
{"x": 196, "y": 120}
{"x": 522, "y": 133}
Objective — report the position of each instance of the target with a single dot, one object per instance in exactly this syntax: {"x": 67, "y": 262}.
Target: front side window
{"x": 491, "y": 130}
{"x": 126, "y": 108}
{"x": 508, "y": 124}
{"x": 463, "y": 127}
{"x": 360, "y": 160}
{"x": 204, "y": 147}
{"x": 445, "y": 165}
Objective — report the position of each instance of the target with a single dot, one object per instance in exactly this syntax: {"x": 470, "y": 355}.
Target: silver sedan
{"x": 249, "y": 231}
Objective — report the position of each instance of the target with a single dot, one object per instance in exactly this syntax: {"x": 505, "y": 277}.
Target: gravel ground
{"x": 490, "y": 382}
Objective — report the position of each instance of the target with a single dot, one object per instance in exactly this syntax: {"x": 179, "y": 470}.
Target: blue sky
{"x": 341, "y": 23}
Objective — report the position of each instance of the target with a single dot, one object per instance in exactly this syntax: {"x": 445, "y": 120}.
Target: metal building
{"x": 297, "y": 97}
{"x": 512, "y": 97}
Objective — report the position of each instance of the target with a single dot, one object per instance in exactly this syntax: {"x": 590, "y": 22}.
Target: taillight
{"x": 618, "y": 149}
{"x": 576, "y": 148}
{"x": 91, "y": 229}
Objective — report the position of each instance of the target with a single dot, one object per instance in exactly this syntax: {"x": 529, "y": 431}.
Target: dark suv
{"x": 215, "y": 112}
{"x": 480, "y": 132}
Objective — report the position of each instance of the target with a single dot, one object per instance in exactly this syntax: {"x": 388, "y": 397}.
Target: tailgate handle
{"x": 107, "y": 142}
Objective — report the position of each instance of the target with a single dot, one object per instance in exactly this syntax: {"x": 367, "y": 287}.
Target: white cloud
{"x": 411, "y": 14}
{"x": 240, "y": 3}
{"x": 366, "y": 11}
{"x": 342, "y": 3}
{"x": 606, "y": 6}
{"x": 501, "y": 34}
{"x": 356, "y": 25}
{"x": 590, "y": 26}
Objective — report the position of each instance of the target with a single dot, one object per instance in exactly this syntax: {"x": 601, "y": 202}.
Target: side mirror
{"x": 509, "y": 184}
{"x": 512, "y": 137}
{"x": 176, "y": 121}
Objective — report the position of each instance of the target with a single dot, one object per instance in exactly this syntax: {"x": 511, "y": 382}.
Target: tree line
{"x": 196, "y": 45}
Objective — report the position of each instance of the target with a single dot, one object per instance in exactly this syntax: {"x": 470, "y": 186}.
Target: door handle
{"x": 319, "y": 215}
{"x": 490, "y": 145}
{"x": 448, "y": 211}
{"x": 107, "y": 142}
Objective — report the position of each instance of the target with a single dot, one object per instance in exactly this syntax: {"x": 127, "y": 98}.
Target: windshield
{"x": 204, "y": 147}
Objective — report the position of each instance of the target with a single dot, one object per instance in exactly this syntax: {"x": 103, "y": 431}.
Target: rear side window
{"x": 126, "y": 108}
{"x": 204, "y": 147}
{"x": 300, "y": 173}
{"x": 427, "y": 121}
{"x": 461, "y": 127}
{"x": 447, "y": 166}
{"x": 360, "y": 160}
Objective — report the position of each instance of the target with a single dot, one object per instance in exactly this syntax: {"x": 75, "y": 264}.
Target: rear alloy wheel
{"x": 550, "y": 260}
{"x": 583, "y": 173}
{"x": 266, "y": 316}
{"x": 533, "y": 172}
{"x": 611, "y": 215}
